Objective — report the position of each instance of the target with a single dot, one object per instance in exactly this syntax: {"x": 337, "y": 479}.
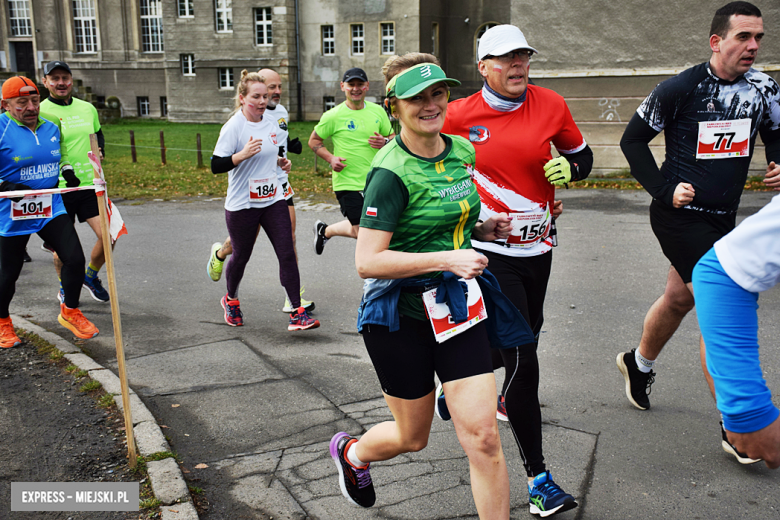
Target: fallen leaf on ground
{"x": 175, "y": 405}
{"x": 201, "y": 466}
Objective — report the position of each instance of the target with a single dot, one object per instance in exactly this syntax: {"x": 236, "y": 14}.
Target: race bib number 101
{"x": 32, "y": 206}
{"x": 723, "y": 139}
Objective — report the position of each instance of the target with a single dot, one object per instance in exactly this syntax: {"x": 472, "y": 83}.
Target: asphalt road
{"x": 258, "y": 404}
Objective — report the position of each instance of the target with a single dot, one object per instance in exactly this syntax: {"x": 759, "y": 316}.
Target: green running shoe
{"x": 214, "y": 267}
{"x": 306, "y": 304}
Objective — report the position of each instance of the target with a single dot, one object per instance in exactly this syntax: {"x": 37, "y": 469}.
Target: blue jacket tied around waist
{"x": 506, "y": 326}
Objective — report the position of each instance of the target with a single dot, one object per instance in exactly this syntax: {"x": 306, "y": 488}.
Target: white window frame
{"x": 225, "y": 75}
{"x": 358, "y": 33}
{"x": 152, "y": 38}
{"x": 163, "y": 106}
{"x": 434, "y": 38}
{"x": 224, "y": 15}
{"x": 187, "y": 64}
{"x": 478, "y": 36}
{"x": 387, "y": 38}
{"x": 85, "y": 26}
{"x": 328, "y": 34}
{"x": 144, "y": 105}
{"x": 328, "y": 102}
{"x": 264, "y": 27}
{"x": 186, "y": 7}
{"x": 19, "y": 18}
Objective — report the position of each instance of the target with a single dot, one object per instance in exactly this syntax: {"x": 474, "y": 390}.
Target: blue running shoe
{"x": 96, "y": 290}
{"x": 441, "y": 405}
{"x": 355, "y": 483}
{"x": 547, "y": 498}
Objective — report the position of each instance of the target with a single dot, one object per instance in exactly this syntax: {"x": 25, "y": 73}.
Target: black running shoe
{"x": 732, "y": 450}
{"x": 355, "y": 483}
{"x": 319, "y": 236}
{"x": 637, "y": 382}
{"x": 27, "y": 256}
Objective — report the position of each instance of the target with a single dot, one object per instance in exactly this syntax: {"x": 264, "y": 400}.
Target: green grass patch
{"x": 195, "y": 490}
{"x": 71, "y": 368}
{"x": 180, "y": 176}
{"x": 149, "y": 503}
{"x": 90, "y": 385}
{"x": 80, "y": 374}
{"x": 106, "y": 401}
{"x": 161, "y": 455}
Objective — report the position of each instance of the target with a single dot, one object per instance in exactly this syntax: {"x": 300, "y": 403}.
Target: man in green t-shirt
{"x": 359, "y": 129}
{"x": 78, "y": 119}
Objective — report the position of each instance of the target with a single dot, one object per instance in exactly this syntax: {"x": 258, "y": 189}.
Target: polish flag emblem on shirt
{"x": 370, "y": 212}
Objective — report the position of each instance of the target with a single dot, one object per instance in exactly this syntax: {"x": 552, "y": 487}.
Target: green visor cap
{"x": 414, "y": 80}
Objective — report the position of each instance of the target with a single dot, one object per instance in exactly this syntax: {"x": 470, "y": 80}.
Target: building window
{"x": 328, "y": 41}
{"x": 224, "y": 15}
{"x": 263, "y": 30}
{"x": 225, "y": 78}
{"x": 163, "y": 106}
{"x": 187, "y": 64}
{"x": 85, "y": 28}
{"x": 19, "y": 16}
{"x": 387, "y": 31}
{"x": 84, "y": 21}
{"x": 358, "y": 40}
{"x": 328, "y": 102}
{"x": 185, "y": 9}
{"x": 480, "y": 32}
{"x": 434, "y": 38}
{"x": 151, "y": 26}
{"x": 143, "y": 106}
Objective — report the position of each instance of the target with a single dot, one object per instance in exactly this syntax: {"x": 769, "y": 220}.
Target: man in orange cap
{"x": 30, "y": 159}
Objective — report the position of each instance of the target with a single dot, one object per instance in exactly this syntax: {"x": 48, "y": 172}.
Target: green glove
{"x": 558, "y": 171}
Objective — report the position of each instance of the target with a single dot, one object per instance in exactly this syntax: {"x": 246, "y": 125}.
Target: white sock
{"x": 642, "y": 363}
{"x": 353, "y": 458}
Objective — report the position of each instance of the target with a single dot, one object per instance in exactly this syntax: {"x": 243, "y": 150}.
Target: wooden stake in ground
{"x": 120, "y": 351}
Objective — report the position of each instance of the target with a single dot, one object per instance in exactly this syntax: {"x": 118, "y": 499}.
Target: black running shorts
{"x": 406, "y": 360}
{"x": 686, "y": 235}
{"x": 82, "y": 204}
{"x": 351, "y": 205}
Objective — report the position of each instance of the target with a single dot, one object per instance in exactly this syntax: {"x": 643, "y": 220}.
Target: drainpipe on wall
{"x": 298, "y": 61}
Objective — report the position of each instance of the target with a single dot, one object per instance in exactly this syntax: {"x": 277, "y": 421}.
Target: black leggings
{"x": 58, "y": 233}
{"x": 524, "y": 281}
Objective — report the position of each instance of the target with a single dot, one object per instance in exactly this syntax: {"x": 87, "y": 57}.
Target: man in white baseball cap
{"x": 511, "y": 124}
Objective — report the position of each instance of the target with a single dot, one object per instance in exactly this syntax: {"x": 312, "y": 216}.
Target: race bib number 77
{"x": 723, "y": 139}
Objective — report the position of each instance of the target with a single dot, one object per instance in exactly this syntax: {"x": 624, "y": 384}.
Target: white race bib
{"x": 262, "y": 189}
{"x": 288, "y": 191}
{"x": 32, "y": 206}
{"x": 723, "y": 139}
{"x": 529, "y": 227}
{"x": 441, "y": 318}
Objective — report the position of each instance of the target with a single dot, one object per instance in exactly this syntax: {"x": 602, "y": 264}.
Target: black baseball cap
{"x": 49, "y": 67}
{"x": 355, "y": 73}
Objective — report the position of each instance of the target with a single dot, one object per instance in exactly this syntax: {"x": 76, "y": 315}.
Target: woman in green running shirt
{"x": 420, "y": 211}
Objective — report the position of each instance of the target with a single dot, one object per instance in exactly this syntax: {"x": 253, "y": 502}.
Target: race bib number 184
{"x": 723, "y": 139}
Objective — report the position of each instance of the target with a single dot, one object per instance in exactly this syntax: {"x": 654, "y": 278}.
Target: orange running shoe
{"x": 8, "y": 337}
{"x": 73, "y": 320}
